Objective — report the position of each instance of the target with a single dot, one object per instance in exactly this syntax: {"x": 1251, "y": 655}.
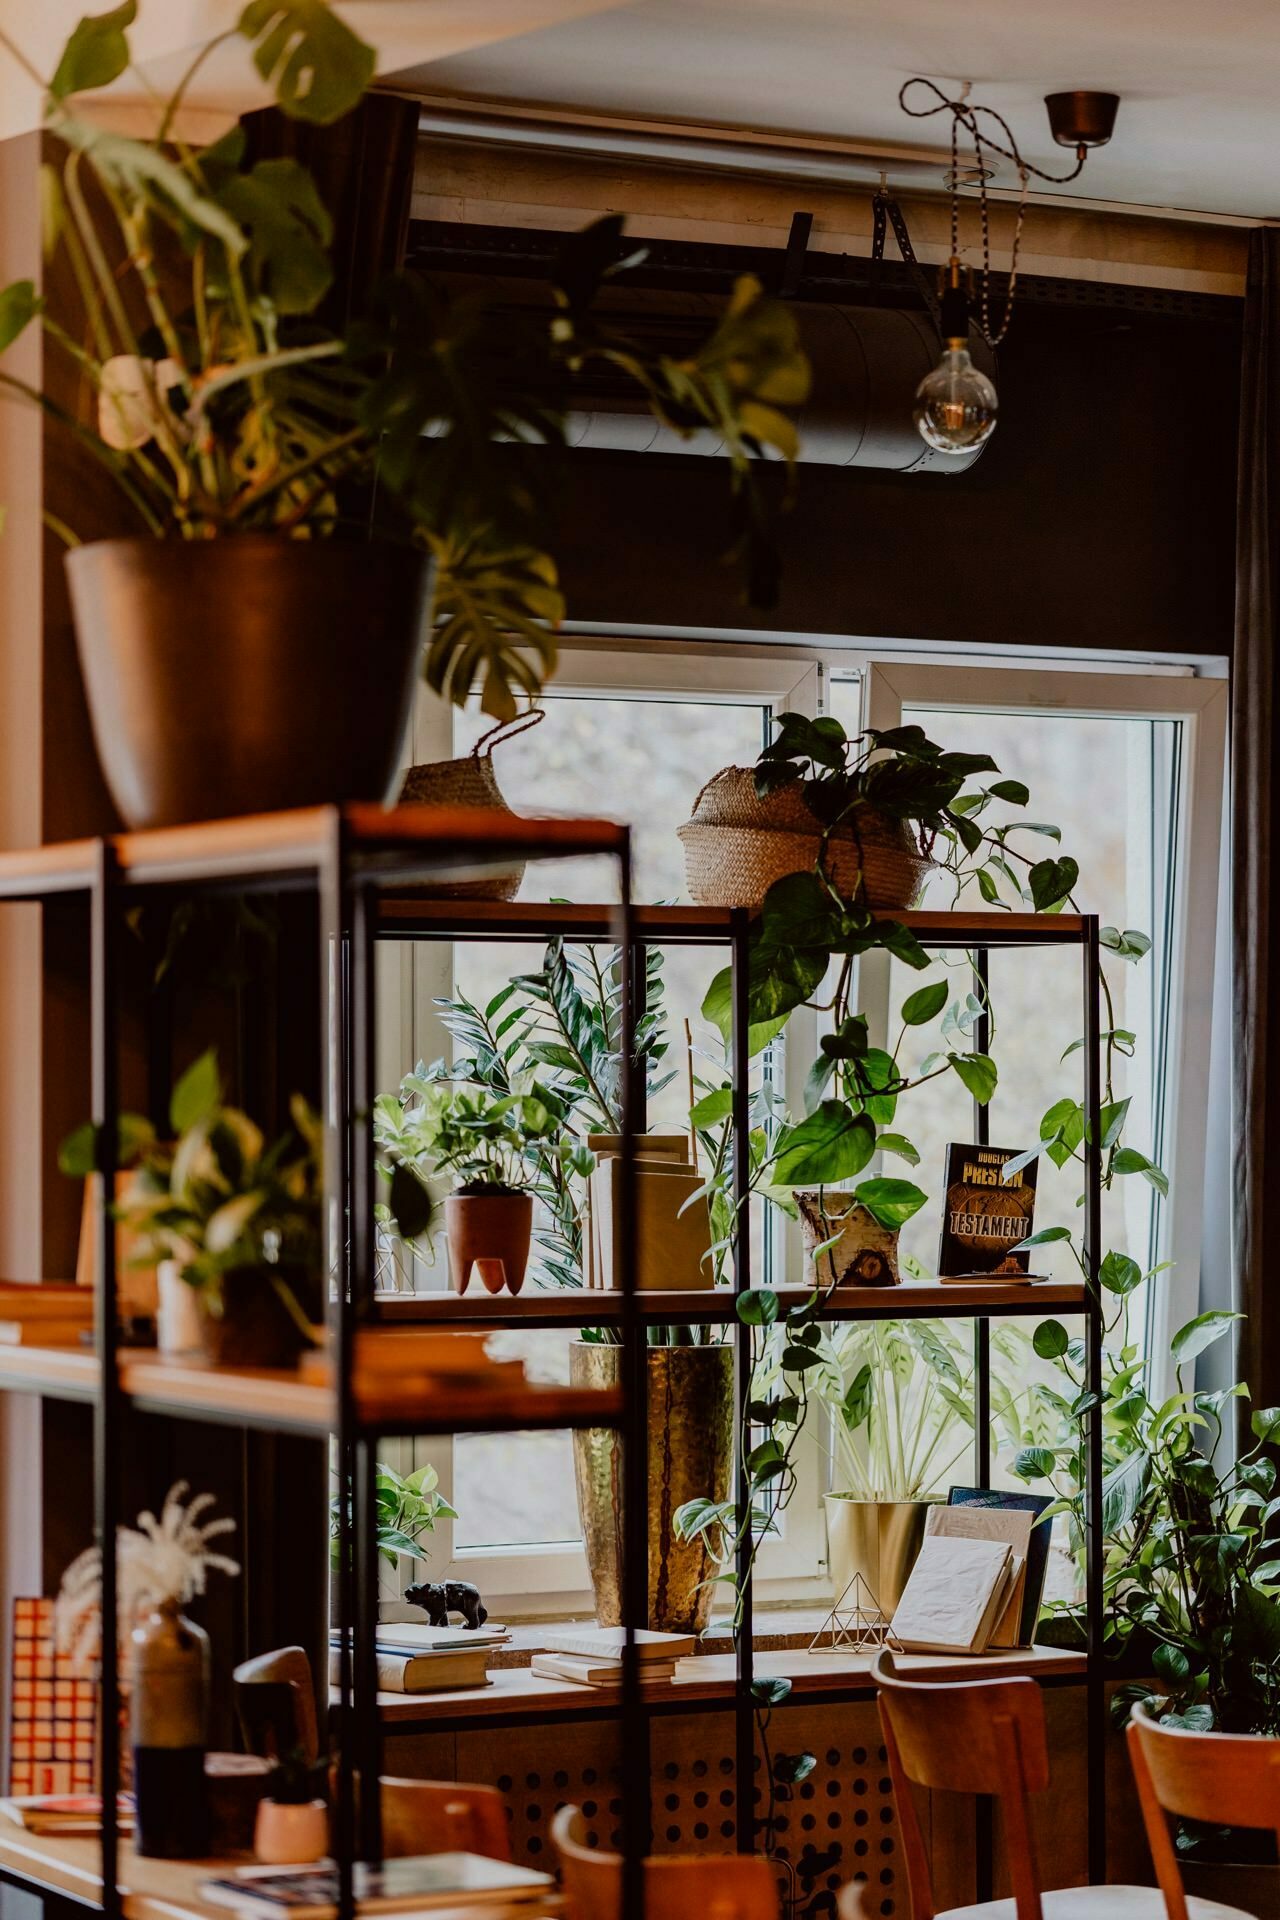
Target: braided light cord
{"x": 966, "y": 117}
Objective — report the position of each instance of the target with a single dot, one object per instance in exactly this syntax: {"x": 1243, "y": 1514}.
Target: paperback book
{"x": 986, "y": 1214}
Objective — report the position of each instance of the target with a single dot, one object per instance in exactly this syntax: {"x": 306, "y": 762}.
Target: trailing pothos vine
{"x": 810, "y": 933}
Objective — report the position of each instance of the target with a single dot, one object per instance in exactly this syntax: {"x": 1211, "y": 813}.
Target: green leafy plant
{"x": 406, "y": 1508}
{"x": 479, "y": 1140}
{"x": 294, "y": 1781}
{"x": 900, "y": 1393}
{"x": 224, "y": 404}
{"x": 216, "y": 1198}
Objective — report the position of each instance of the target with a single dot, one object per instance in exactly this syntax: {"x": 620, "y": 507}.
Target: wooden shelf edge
{"x": 590, "y": 1306}
{"x": 517, "y": 1693}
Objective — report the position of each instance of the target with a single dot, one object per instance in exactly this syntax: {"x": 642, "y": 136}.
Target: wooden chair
{"x": 1225, "y": 1779}
{"x": 437, "y": 1816}
{"x": 276, "y": 1704}
{"x": 707, "y": 1886}
{"x": 988, "y": 1737}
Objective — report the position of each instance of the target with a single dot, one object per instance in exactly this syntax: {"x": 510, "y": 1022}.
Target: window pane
{"x": 642, "y": 760}
{"x": 1109, "y": 784}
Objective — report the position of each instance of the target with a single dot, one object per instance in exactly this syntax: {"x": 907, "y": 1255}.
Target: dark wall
{"x": 1101, "y": 514}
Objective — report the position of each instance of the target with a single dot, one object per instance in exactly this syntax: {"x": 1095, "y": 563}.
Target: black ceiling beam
{"x": 441, "y": 246}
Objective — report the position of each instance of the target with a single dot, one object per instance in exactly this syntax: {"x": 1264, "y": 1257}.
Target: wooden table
{"x": 170, "y": 1889}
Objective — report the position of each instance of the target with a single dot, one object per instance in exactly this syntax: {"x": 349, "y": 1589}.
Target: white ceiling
{"x": 1199, "y": 123}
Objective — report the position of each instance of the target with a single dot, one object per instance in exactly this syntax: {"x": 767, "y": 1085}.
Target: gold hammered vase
{"x": 689, "y": 1424}
{"x": 878, "y": 1539}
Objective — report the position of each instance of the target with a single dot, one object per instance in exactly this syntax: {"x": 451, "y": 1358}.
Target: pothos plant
{"x": 220, "y": 402}
{"x": 809, "y": 925}
{"x": 406, "y": 1508}
{"x": 1191, "y": 1570}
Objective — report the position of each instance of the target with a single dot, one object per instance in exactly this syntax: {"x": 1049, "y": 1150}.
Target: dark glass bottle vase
{"x": 169, "y": 1716}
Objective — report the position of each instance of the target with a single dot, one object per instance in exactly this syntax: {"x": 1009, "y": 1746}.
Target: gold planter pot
{"x": 690, "y": 1441}
{"x": 878, "y": 1539}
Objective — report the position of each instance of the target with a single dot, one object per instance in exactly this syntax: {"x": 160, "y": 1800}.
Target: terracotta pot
{"x": 864, "y": 1255}
{"x": 878, "y": 1539}
{"x": 254, "y": 1328}
{"x": 248, "y": 673}
{"x": 286, "y": 1834}
{"x": 690, "y": 1425}
{"x": 490, "y": 1232}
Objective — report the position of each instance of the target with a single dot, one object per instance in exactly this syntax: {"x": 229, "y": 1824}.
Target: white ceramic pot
{"x": 287, "y": 1835}
{"x": 177, "y": 1313}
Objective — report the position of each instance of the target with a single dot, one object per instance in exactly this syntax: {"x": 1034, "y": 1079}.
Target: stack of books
{"x": 45, "y": 1314}
{"x": 423, "y": 1659}
{"x": 592, "y": 1656}
{"x": 977, "y": 1583}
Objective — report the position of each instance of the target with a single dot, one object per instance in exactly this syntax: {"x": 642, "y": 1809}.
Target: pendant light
{"x": 956, "y": 405}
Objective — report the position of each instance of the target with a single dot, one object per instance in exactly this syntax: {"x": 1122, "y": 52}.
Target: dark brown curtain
{"x": 1255, "y": 828}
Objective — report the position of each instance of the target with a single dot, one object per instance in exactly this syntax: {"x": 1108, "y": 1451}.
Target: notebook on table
{"x": 416, "y": 1884}
{"x": 955, "y": 1595}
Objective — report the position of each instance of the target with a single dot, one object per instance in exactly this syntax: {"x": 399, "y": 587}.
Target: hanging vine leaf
{"x": 833, "y": 1144}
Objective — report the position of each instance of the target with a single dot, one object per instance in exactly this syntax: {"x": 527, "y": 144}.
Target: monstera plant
{"x": 243, "y": 436}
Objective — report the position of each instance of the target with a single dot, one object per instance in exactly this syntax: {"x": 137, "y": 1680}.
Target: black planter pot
{"x": 248, "y": 673}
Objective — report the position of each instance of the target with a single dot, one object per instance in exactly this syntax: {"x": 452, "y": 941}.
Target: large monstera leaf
{"x": 317, "y": 67}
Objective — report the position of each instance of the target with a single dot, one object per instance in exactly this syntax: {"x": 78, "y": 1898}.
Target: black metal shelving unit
{"x": 978, "y": 935}
{"x": 347, "y": 857}
{"x": 368, "y": 869}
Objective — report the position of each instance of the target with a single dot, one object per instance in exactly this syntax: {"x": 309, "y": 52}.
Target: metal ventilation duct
{"x": 867, "y": 363}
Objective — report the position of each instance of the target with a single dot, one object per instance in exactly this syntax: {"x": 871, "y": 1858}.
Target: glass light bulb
{"x": 955, "y": 404}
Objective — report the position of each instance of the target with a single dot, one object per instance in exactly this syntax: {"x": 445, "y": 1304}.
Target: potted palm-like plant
{"x": 256, "y": 644}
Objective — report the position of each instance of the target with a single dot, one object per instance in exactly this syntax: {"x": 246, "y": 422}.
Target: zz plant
{"x": 223, "y": 403}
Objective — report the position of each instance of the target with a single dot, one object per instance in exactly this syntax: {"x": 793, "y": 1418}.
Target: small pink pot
{"x": 291, "y": 1835}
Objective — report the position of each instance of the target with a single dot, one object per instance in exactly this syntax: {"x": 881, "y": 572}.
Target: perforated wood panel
{"x": 837, "y": 1825}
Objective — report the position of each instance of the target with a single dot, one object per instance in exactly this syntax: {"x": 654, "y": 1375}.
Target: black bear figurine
{"x": 441, "y": 1598}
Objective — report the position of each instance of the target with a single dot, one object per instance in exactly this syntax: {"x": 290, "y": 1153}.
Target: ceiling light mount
{"x": 955, "y": 406}
{"x": 1082, "y": 119}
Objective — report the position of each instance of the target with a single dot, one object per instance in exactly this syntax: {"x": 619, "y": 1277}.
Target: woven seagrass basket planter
{"x": 736, "y": 845}
{"x": 469, "y": 782}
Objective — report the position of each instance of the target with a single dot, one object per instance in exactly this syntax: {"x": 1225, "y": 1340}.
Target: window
{"x": 1130, "y": 766}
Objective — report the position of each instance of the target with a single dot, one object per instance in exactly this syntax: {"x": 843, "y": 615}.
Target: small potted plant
{"x": 465, "y": 1132}
{"x": 292, "y": 1824}
{"x": 406, "y": 1508}
{"x": 240, "y": 1221}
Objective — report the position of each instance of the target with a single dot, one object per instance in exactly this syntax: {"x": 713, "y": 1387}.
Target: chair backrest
{"x": 276, "y": 1704}
{"x": 1225, "y": 1779}
{"x": 437, "y": 1816}
{"x": 707, "y": 1886}
{"x": 965, "y": 1736}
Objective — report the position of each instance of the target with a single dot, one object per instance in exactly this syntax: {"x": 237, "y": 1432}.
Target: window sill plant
{"x": 244, "y": 437}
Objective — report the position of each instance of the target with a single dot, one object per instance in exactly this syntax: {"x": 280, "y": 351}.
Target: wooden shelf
{"x": 61, "y": 1373}
{"x": 592, "y": 1306}
{"x": 280, "y": 1400}
{"x": 403, "y": 844}
{"x": 406, "y": 913}
{"x": 707, "y": 1682}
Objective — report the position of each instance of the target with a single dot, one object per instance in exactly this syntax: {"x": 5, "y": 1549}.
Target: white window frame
{"x": 1201, "y": 707}
{"x": 532, "y": 1580}
{"x": 792, "y": 672}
